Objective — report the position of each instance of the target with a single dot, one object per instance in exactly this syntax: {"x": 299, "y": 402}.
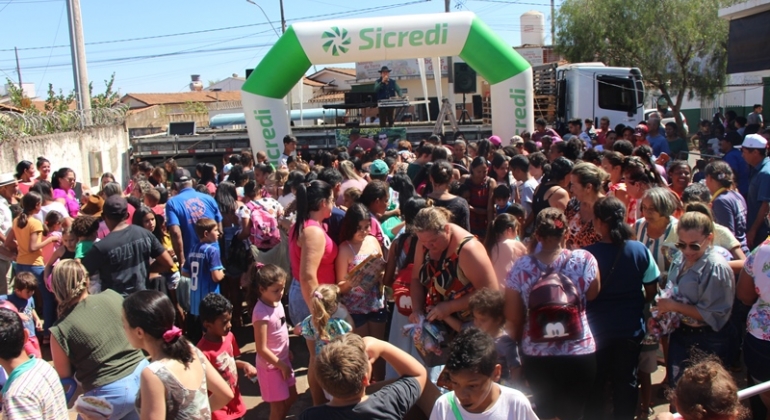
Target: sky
{"x": 155, "y": 45}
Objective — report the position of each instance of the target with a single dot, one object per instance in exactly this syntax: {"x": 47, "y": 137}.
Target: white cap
{"x": 7, "y": 178}
{"x": 754, "y": 141}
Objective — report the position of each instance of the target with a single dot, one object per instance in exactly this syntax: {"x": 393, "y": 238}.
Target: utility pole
{"x": 78, "y": 47}
{"x": 450, "y": 71}
{"x": 18, "y": 67}
{"x": 553, "y": 25}
{"x": 283, "y": 19}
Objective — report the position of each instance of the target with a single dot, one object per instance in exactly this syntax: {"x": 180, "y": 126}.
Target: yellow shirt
{"x": 166, "y": 242}
{"x": 25, "y": 256}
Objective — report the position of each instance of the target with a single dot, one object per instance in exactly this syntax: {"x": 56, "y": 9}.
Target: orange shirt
{"x": 25, "y": 256}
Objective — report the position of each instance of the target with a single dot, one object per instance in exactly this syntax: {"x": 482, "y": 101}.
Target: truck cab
{"x": 593, "y": 90}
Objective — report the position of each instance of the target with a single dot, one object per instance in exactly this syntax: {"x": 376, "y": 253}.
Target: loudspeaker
{"x": 465, "y": 78}
{"x": 478, "y": 109}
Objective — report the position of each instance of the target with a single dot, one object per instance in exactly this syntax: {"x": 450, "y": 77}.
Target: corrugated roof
{"x": 182, "y": 97}
{"x": 328, "y": 97}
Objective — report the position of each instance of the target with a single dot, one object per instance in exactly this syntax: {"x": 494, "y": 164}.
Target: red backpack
{"x": 264, "y": 227}
{"x": 554, "y": 308}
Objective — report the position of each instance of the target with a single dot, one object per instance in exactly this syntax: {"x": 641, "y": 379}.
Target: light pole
{"x": 450, "y": 78}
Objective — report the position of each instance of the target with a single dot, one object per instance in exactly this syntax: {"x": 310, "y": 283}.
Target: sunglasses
{"x": 694, "y": 247}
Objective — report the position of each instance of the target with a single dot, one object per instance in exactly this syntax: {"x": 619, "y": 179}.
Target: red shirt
{"x": 222, "y": 357}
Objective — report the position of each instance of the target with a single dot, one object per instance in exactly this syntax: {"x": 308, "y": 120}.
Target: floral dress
{"x": 579, "y": 234}
{"x": 758, "y": 267}
{"x": 336, "y": 326}
{"x": 181, "y": 403}
{"x": 360, "y": 300}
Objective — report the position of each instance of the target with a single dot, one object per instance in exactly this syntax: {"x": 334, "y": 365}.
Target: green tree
{"x": 679, "y": 45}
{"x": 60, "y": 102}
{"x": 108, "y": 99}
{"x": 195, "y": 107}
{"x": 18, "y": 99}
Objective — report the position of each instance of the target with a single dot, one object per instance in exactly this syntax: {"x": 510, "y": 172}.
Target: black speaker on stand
{"x": 465, "y": 82}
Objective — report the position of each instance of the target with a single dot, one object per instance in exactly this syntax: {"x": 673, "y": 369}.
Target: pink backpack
{"x": 264, "y": 227}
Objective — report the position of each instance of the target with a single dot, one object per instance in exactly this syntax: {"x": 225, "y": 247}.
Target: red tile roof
{"x": 182, "y": 97}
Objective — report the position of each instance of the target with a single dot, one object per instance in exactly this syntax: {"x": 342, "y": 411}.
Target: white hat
{"x": 754, "y": 141}
{"x": 7, "y": 178}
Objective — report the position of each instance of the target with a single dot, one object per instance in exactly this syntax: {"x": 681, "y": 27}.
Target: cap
{"x": 7, "y": 178}
{"x": 734, "y": 138}
{"x": 754, "y": 141}
{"x": 93, "y": 207}
{"x": 182, "y": 175}
{"x": 115, "y": 207}
{"x": 378, "y": 168}
{"x": 517, "y": 140}
{"x": 495, "y": 140}
{"x": 641, "y": 130}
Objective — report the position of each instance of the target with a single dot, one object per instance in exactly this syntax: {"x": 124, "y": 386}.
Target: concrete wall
{"x": 89, "y": 153}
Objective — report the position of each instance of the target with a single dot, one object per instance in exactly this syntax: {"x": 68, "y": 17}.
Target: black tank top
{"x": 539, "y": 202}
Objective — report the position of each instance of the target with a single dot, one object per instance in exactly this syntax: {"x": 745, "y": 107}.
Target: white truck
{"x": 588, "y": 90}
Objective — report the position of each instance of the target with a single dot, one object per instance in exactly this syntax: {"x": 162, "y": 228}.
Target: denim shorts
{"x": 379, "y": 316}
{"x": 121, "y": 394}
{"x": 298, "y": 309}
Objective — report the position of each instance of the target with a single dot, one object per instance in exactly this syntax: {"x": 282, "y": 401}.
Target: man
{"x": 541, "y": 131}
{"x": 576, "y": 129}
{"x": 357, "y": 141}
{"x": 386, "y": 88}
{"x": 289, "y": 149}
{"x": 122, "y": 258}
{"x": 730, "y": 147}
{"x": 183, "y": 210}
{"x": 247, "y": 161}
{"x": 519, "y": 165}
{"x": 589, "y": 130}
{"x": 655, "y": 136}
{"x": 754, "y": 153}
{"x": 756, "y": 116}
{"x": 8, "y": 186}
{"x": 604, "y": 128}
{"x": 740, "y": 125}
{"x": 424, "y": 154}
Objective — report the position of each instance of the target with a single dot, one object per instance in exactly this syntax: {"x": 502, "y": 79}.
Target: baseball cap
{"x": 754, "y": 141}
{"x": 641, "y": 130}
{"x": 495, "y": 140}
{"x": 378, "y": 168}
{"x": 181, "y": 175}
{"x": 115, "y": 207}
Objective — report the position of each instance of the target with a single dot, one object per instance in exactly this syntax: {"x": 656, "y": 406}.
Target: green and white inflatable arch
{"x": 385, "y": 38}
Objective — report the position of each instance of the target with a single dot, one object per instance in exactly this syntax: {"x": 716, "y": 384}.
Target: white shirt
{"x": 6, "y": 218}
{"x": 54, "y": 206}
{"x": 527, "y": 193}
{"x": 511, "y": 405}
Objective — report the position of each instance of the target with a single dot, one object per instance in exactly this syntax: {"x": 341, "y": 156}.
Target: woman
{"x": 375, "y": 197}
{"x": 440, "y": 179}
{"x": 49, "y": 204}
{"x": 612, "y": 163}
{"x": 177, "y": 382}
{"x": 235, "y": 219}
{"x": 209, "y": 178}
{"x": 312, "y": 253}
{"x": 25, "y": 174}
{"x": 450, "y": 265}
{"x": 352, "y": 180}
{"x": 479, "y": 188}
{"x": 44, "y": 169}
{"x": 503, "y": 245}
{"x": 64, "y": 190}
{"x": 639, "y": 177}
{"x": 658, "y": 226}
{"x": 587, "y": 184}
{"x": 171, "y": 167}
{"x": 96, "y": 353}
{"x": 629, "y": 279}
{"x": 158, "y": 178}
{"x": 552, "y": 191}
{"x": 556, "y": 370}
{"x": 678, "y": 146}
{"x": 500, "y": 171}
{"x": 703, "y": 285}
{"x": 680, "y": 174}
{"x": 728, "y": 206}
{"x": 364, "y": 305}
{"x": 753, "y": 290}
{"x": 106, "y": 178}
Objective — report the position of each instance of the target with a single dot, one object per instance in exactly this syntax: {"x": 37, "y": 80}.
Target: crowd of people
{"x": 453, "y": 280}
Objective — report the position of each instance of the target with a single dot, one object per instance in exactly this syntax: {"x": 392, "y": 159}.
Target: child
{"x": 328, "y": 320}
{"x": 706, "y": 391}
{"x": 33, "y": 390}
{"x": 344, "y": 368}
{"x": 489, "y": 316}
{"x": 220, "y": 348}
{"x": 152, "y": 200}
{"x": 85, "y": 228}
{"x": 473, "y": 372}
{"x": 350, "y": 197}
{"x": 53, "y": 225}
{"x": 204, "y": 268}
{"x": 502, "y": 196}
{"x": 65, "y": 252}
{"x": 24, "y": 286}
{"x": 271, "y": 339}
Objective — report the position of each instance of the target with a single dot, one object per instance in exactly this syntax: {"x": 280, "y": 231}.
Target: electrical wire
{"x": 58, "y": 25}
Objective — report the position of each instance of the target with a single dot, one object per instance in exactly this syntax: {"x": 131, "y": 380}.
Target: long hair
{"x": 22, "y": 167}
{"x": 69, "y": 282}
{"x": 325, "y": 301}
{"x": 356, "y": 214}
{"x": 227, "y": 197}
{"x": 612, "y": 212}
{"x": 61, "y": 173}
{"x": 560, "y": 168}
{"x": 153, "y": 312}
{"x": 310, "y": 197}
{"x": 497, "y": 228}
{"x": 29, "y": 204}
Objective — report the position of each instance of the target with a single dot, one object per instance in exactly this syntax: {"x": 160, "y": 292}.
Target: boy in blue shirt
{"x": 204, "y": 268}
{"x": 502, "y": 197}
{"x": 24, "y": 287}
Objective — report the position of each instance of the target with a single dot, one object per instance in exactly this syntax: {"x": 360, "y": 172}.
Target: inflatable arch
{"x": 460, "y": 34}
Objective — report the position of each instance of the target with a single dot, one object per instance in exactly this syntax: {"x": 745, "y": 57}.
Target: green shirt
{"x": 82, "y": 248}
{"x": 92, "y": 336}
{"x": 677, "y": 146}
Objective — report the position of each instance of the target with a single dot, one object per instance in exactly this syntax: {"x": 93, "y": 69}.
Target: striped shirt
{"x": 33, "y": 392}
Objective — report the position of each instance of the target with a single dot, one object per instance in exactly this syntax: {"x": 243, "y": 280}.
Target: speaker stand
{"x": 465, "y": 114}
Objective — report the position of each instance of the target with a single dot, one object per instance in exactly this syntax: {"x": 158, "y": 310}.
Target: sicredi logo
{"x": 339, "y": 42}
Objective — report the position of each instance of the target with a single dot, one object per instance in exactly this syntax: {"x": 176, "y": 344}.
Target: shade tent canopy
{"x": 460, "y": 34}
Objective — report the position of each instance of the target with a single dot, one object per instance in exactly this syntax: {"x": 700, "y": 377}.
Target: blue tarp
{"x": 223, "y": 120}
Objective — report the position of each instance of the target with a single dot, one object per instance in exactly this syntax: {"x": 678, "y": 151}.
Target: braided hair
{"x": 69, "y": 283}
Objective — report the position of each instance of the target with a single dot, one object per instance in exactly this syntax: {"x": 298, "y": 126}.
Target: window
{"x": 616, "y": 93}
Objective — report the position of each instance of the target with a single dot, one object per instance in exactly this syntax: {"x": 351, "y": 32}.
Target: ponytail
{"x": 612, "y": 212}
{"x": 309, "y": 198}
{"x": 325, "y": 301}
{"x": 29, "y": 204}
{"x": 61, "y": 173}
{"x": 497, "y": 228}
{"x": 153, "y": 312}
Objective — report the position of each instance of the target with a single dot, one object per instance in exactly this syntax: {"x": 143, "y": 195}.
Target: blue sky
{"x": 213, "y": 38}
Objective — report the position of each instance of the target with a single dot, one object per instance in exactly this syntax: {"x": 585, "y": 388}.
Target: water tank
{"x": 196, "y": 85}
{"x": 533, "y": 28}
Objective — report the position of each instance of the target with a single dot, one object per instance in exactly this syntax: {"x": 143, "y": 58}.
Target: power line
{"x": 51, "y": 52}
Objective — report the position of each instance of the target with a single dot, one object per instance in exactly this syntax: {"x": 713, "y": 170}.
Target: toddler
{"x": 488, "y": 311}
{"x": 24, "y": 287}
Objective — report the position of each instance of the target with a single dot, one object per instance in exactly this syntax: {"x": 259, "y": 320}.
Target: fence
{"x": 18, "y": 125}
